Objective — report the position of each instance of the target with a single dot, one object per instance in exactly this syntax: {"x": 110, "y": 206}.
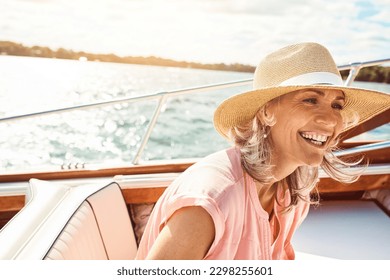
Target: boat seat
{"x": 62, "y": 222}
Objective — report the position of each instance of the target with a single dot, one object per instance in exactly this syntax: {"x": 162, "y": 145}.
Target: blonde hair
{"x": 256, "y": 149}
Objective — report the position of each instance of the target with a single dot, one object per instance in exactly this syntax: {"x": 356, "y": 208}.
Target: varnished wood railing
{"x": 145, "y": 194}
{"x": 379, "y": 156}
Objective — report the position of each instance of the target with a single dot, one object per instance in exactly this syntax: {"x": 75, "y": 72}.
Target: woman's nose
{"x": 327, "y": 117}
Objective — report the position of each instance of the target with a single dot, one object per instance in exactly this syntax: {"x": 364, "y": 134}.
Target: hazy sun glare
{"x": 203, "y": 30}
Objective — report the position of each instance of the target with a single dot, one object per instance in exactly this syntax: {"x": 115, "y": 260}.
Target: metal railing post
{"x": 152, "y": 123}
{"x": 355, "y": 68}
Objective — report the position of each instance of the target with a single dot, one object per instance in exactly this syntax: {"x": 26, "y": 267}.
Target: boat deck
{"x": 345, "y": 229}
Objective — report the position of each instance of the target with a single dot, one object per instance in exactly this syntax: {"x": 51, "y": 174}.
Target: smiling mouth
{"x": 315, "y": 139}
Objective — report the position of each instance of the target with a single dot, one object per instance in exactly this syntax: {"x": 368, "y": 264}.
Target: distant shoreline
{"x": 377, "y": 74}
{"x": 11, "y": 48}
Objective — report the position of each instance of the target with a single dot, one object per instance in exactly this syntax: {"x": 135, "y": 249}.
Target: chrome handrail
{"x": 355, "y": 67}
{"x": 364, "y": 148}
{"x": 162, "y": 97}
{"x": 363, "y": 64}
{"x": 130, "y": 99}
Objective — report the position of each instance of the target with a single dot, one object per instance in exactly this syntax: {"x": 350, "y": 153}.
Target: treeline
{"x": 11, "y": 48}
{"x": 377, "y": 74}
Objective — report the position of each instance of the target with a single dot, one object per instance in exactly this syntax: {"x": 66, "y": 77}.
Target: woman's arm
{"x": 188, "y": 234}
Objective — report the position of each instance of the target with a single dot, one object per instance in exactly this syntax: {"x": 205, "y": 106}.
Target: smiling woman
{"x": 246, "y": 202}
{"x": 312, "y": 116}
{"x": 296, "y": 133}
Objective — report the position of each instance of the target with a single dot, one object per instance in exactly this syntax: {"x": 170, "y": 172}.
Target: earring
{"x": 265, "y": 132}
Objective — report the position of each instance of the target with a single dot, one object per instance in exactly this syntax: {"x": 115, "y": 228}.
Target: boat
{"x": 99, "y": 212}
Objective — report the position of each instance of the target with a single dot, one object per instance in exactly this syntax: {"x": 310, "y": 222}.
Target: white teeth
{"x": 316, "y": 142}
{"x": 316, "y": 138}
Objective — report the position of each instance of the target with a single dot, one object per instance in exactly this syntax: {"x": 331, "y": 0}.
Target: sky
{"x": 206, "y": 31}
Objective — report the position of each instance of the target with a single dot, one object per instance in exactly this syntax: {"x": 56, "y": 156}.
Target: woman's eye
{"x": 310, "y": 100}
{"x": 337, "y": 106}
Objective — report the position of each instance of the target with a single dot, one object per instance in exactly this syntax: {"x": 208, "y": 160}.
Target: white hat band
{"x": 314, "y": 78}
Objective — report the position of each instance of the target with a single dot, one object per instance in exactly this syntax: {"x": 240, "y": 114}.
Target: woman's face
{"x": 307, "y": 123}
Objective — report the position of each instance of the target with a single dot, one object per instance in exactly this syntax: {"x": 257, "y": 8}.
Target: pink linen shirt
{"x": 242, "y": 227}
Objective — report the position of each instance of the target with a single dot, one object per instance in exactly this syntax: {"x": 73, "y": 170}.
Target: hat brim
{"x": 241, "y": 108}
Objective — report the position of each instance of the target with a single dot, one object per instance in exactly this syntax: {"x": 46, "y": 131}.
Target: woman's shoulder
{"x": 225, "y": 161}
{"x": 212, "y": 176}
{"x": 224, "y": 164}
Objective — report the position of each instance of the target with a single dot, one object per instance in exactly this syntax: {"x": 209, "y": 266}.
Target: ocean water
{"x": 110, "y": 134}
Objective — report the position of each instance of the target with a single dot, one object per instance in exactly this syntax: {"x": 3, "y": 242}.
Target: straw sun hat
{"x": 295, "y": 67}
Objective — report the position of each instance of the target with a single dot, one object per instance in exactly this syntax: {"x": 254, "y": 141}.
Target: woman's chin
{"x": 314, "y": 161}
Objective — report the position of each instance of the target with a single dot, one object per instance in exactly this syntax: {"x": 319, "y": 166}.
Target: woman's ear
{"x": 266, "y": 115}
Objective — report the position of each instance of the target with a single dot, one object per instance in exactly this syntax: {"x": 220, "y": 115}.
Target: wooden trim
{"x": 96, "y": 173}
{"x": 151, "y": 194}
{"x": 379, "y": 156}
{"x": 6, "y": 216}
{"x": 378, "y": 120}
{"x": 326, "y": 185}
{"x": 367, "y": 182}
{"x": 12, "y": 203}
{"x": 372, "y": 157}
{"x": 142, "y": 195}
